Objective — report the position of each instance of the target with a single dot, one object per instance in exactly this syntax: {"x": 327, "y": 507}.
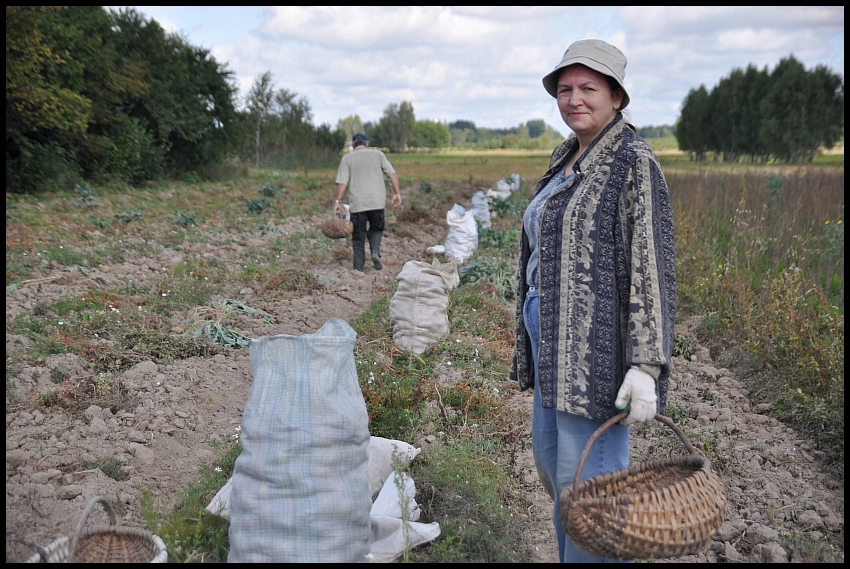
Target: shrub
{"x": 257, "y": 206}
{"x": 512, "y": 206}
{"x": 271, "y": 190}
{"x": 84, "y": 193}
{"x": 497, "y": 273}
{"x": 184, "y": 220}
{"x": 128, "y": 215}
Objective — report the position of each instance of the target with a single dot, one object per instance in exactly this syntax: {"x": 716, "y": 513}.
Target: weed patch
{"x": 257, "y": 205}
{"x": 128, "y": 216}
{"x": 460, "y": 486}
{"x": 512, "y": 207}
{"x": 271, "y": 190}
{"x": 110, "y": 466}
{"x": 184, "y": 220}
{"x": 497, "y": 273}
{"x": 506, "y": 240}
{"x": 290, "y": 283}
{"x": 192, "y": 534}
{"x": 762, "y": 263}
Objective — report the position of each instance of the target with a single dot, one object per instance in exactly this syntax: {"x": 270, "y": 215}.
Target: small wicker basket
{"x": 650, "y": 510}
{"x": 337, "y": 228}
{"x": 104, "y": 543}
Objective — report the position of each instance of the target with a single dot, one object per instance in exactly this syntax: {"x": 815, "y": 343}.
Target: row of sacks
{"x": 462, "y": 238}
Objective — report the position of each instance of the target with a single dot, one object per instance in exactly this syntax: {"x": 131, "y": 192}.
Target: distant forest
{"x": 755, "y": 115}
{"x": 110, "y": 96}
{"x": 103, "y": 95}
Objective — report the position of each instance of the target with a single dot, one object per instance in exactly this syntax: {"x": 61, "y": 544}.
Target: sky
{"x": 485, "y": 64}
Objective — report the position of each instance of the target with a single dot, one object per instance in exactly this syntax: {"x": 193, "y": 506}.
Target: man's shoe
{"x": 376, "y": 260}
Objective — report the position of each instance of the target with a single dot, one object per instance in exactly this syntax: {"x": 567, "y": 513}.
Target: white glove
{"x": 638, "y": 389}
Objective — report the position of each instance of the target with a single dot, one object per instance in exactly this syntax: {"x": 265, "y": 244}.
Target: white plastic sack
{"x": 481, "y": 209}
{"x": 462, "y": 240}
{"x": 301, "y": 485}
{"x": 418, "y": 307}
{"x": 385, "y": 455}
{"x": 220, "y": 504}
{"x": 503, "y": 188}
{"x": 391, "y": 534}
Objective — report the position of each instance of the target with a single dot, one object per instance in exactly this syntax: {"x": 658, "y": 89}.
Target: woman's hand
{"x": 638, "y": 389}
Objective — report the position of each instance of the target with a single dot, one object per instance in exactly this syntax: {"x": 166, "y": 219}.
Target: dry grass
{"x": 760, "y": 256}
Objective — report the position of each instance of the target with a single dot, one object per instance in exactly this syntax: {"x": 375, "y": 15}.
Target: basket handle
{"x": 113, "y": 521}
{"x": 607, "y": 425}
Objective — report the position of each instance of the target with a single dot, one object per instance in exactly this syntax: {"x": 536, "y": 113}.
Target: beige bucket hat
{"x": 597, "y": 55}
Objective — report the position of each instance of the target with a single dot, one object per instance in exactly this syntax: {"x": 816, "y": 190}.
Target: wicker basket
{"x": 337, "y": 228}
{"x": 104, "y": 543}
{"x": 654, "y": 509}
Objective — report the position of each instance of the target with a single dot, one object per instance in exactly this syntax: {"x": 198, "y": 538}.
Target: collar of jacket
{"x": 565, "y": 150}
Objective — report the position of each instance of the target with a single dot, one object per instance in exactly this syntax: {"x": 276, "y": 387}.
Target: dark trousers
{"x": 367, "y": 225}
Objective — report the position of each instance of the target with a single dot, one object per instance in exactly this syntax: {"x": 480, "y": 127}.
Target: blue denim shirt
{"x": 531, "y": 221}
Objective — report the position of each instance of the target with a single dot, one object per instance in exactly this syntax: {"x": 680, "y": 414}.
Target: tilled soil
{"x": 782, "y": 505}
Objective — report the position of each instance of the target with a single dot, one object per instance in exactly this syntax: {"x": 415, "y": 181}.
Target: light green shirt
{"x": 362, "y": 169}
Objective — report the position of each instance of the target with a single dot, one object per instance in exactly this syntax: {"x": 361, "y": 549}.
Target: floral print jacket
{"x": 607, "y": 277}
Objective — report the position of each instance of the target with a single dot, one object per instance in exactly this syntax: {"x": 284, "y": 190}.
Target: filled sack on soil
{"x": 301, "y": 488}
{"x": 481, "y": 209}
{"x": 462, "y": 240}
{"x": 419, "y": 306}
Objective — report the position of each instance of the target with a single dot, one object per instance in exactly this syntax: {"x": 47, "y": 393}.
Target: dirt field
{"x": 782, "y": 506}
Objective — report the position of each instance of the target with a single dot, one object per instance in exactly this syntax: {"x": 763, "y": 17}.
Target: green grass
{"x": 663, "y": 144}
{"x": 190, "y": 533}
{"x": 462, "y": 488}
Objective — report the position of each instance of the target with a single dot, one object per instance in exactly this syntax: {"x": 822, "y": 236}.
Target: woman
{"x": 596, "y": 285}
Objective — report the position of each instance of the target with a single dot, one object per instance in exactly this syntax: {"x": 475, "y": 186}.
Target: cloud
{"x": 485, "y": 63}
{"x": 646, "y": 22}
{"x": 379, "y": 28}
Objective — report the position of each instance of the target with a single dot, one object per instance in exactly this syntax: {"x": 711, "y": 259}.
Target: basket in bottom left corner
{"x": 104, "y": 543}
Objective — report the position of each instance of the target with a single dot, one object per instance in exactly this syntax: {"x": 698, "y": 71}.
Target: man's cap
{"x": 597, "y": 55}
{"x": 358, "y": 136}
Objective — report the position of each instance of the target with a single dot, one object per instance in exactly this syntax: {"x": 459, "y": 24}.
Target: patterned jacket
{"x": 607, "y": 277}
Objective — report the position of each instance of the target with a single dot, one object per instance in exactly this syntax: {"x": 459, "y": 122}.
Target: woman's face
{"x": 585, "y": 102}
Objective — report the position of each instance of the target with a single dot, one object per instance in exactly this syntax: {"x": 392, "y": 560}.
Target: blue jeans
{"x": 558, "y": 438}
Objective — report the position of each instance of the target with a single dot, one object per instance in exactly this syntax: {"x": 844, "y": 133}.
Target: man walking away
{"x": 360, "y": 170}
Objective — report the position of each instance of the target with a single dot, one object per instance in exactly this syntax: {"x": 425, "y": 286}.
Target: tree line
{"x": 95, "y": 94}
{"x": 534, "y": 134}
{"x": 399, "y": 131}
{"x": 281, "y": 130}
{"x": 756, "y": 115}
{"x": 109, "y": 95}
